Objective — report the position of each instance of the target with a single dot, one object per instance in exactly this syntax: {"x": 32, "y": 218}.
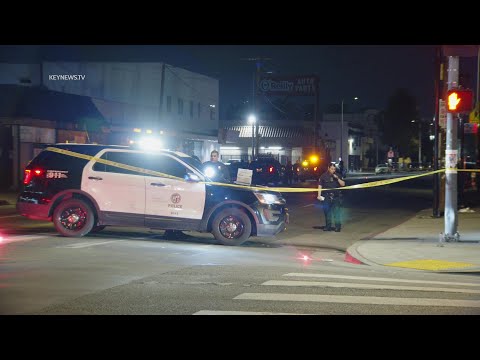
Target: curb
{"x": 350, "y": 259}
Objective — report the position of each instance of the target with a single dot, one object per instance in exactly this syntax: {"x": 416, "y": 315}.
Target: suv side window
{"x": 165, "y": 164}
{"x": 52, "y": 160}
{"x": 127, "y": 158}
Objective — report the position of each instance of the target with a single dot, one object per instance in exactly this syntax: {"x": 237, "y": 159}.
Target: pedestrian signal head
{"x": 459, "y": 101}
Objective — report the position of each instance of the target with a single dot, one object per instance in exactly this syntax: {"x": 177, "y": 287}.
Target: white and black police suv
{"x": 85, "y": 187}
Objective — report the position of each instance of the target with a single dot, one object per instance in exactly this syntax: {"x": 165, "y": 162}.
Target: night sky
{"x": 370, "y": 72}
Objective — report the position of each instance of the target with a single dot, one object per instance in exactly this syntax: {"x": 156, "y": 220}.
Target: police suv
{"x": 84, "y": 187}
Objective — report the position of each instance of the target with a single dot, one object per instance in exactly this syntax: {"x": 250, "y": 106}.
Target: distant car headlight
{"x": 269, "y": 199}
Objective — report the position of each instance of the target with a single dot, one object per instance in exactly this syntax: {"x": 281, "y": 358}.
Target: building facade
{"x": 156, "y": 99}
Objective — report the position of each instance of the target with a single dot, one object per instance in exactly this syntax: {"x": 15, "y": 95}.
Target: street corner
{"x": 353, "y": 256}
{"x": 351, "y": 259}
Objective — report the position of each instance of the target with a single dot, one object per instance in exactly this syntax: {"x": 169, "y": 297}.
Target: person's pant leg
{"x": 327, "y": 209}
{"x": 337, "y": 213}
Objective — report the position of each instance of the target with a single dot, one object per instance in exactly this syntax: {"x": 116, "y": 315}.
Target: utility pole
{"x": 258, "y": 63}
{"x": 419, "y": 142}
{"x": 316, "y": 114}
{"x": 341, "y": 134}
{"x": 161, "y": 110}
{"x": 257, "y": 124}
{"x": 451, "y": 159}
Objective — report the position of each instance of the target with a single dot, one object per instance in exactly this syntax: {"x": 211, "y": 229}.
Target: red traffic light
{"x": 459, "y": 101}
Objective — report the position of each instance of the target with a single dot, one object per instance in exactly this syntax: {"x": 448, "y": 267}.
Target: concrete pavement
{"x": 413, "y": 245}
{"x": 417, "y": 244}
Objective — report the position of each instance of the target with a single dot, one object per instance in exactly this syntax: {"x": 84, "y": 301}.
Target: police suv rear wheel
{"x": 73, "y": 218}
{"x": 231, "y": 227}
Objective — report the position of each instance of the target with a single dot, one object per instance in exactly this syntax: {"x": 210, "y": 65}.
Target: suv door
{"x": 119, "y": 193}
{"x": 172, "y": 203}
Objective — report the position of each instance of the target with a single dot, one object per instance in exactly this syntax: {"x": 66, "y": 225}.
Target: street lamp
{"x": 341, "y": 132}
{"x": 252, "y": 119}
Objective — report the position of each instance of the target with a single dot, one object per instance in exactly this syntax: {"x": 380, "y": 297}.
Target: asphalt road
{"x": 139, "y": 271}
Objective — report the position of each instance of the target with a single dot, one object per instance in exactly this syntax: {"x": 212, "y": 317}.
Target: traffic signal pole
{"x": 438, "y": 96}
{"x": 451, "y": 160}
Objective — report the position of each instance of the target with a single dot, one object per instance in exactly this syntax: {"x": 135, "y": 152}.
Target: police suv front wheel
{"x": 73, "y": 218}
{"x": 231, "y": 226}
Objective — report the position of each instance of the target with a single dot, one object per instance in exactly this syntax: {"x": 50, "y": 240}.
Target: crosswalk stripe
{"x": 379, "y": 279}
{"x": 218, "y": 312}
{"x": 366, "y": 286}
{"x": 367, "y": 300}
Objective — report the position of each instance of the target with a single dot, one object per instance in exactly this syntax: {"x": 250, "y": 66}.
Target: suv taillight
{"x": 29, "y": 174}
{"x": 270, "y": 169}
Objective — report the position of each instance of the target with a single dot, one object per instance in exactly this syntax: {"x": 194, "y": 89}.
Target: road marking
{"x": 379, "y": 279}
{"x": 213, "y": 312}
{"x": 8, "y": 216}
{"x": 367, "y": 300}
{"x": 86, "y": 244}
{"x": 307, "y": 205}
{"x": 366, "y": 286}
{"x": 429, "y": 264}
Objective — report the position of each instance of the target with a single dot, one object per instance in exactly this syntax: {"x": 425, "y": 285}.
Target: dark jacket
{"x": 221, "y": 171}
{"x": 327, "y": 181}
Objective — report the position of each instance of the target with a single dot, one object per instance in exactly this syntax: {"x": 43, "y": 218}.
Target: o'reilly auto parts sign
{"x": 288, "y": 85}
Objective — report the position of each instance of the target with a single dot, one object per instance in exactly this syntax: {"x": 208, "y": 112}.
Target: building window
{"x": 199, "y": 110}
{"x": 191, "y": 108}
{"x": 180, "y": 106}
{"x": 169, "y": 104}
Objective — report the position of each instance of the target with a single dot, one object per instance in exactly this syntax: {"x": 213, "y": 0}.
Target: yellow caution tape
{"x": 255, "y": 188}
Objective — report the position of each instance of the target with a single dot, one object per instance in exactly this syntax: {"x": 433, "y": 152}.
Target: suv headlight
{"x": 269, "y": 199}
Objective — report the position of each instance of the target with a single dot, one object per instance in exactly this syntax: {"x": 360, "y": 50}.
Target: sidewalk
{"x": 415, "y": 245}
{"x": 8, "y": 197}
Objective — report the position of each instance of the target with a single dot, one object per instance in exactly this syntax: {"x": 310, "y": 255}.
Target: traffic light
{"x": 459, "y": 101}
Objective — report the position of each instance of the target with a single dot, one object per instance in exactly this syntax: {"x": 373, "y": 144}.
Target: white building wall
{"x": 14, "y": 73}
{"x": 330, "y": 132}
{"x": 128, "y": 94}
{"x": 192, "y": 89}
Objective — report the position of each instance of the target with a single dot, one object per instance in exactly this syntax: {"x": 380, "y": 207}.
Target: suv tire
{"x": 231, "y": 227}
{"x": 73, "y": 218}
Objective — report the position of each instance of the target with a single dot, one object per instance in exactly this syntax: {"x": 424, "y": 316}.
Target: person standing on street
{"x": 332, "y": 199}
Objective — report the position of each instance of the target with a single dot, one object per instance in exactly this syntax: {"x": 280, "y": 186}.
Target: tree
{"x": 396, "y": 123}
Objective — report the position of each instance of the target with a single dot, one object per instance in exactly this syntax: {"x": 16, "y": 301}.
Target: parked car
{"x": 309, "y": 169}
{"x": 234, "y": 166}
{"x": 83, "y": 188}
{"x": 266, "y": 171}
{"x": 382, "y": 169}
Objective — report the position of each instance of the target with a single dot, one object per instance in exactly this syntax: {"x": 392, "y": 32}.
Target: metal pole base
{"x": 449, "y": 238}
